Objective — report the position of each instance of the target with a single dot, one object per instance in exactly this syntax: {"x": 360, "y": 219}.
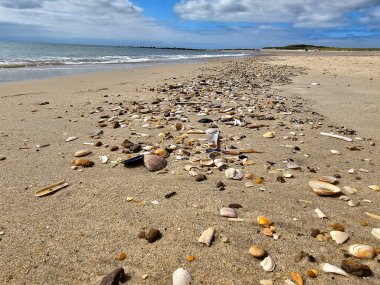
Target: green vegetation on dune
{"x": 320, "y": 48}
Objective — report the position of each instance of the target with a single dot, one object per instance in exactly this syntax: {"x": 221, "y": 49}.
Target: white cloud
{"x": 300, "y": 13}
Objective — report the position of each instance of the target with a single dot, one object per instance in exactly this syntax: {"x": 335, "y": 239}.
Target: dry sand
{"x": 76, "y": 235}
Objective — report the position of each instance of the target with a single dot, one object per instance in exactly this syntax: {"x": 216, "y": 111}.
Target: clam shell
{"x": 228, "y": 212}
{"x": 70, "y": 139}
{"x": 82, "y": 152}
{"x": 220, "y": 163}
{"x": 161, "y": 152}
{"x": 206, "y": 162}
{"x": 287, "y": 174}
{"x": 326, "y": 267}
{"x": 268, "y": 264}
{"x": 154, "y": 162}
{"x": 233, "y": 173}
{"x": 268, "y": 135}
{"x": 324, "y": 188}
{"x": 181, "y": 277}
{"x": 362, "y": 251}
{"x": 264, "y": 221}
{"x": 376, "y": 232}
{"x": 207, "y": 236}
{"x": 328, "y": 179}
{"x": 257, "y": 250}
{"x": 374, "y": 187}
{"x": 103, "y": 159}
{"x": 339, "y": 237}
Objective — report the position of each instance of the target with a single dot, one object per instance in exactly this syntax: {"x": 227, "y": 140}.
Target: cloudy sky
{"x": 193, "y": 23}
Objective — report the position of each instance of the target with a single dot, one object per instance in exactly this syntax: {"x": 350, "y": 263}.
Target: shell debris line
{"x": 245, "y": 168}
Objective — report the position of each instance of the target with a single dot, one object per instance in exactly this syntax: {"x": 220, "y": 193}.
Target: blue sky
{"x": 193, "y": 23}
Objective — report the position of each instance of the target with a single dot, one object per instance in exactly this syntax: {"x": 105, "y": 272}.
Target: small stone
{"x": 351, "y": 266}
{"x": 114, "y": 148}
{"x": 2, "y": 157}
{"x": 127, "y": 144}
{"x": 268, "y": 232}
{"x": 135, "y": 148}
{"x": 228, "y": 212}
{"x": 234, "y": 206}
{"x": 145, "y": 276}
{"x": 257, "y": 251}
{"x": 141, "y": 234}
{"x": 320, "y": 237}
{"x": 122, "y": 256}
{"x": 315, "y": 232}
{"x": 280, "y": 179}
{"x": 170, "y": 194}
{"x": 220, "y": 185}
{"x": 152, "y": 235}
{"x": 200, "y": 177}
{"x": 98, "y": 144}
{"x": 114, "y": 278}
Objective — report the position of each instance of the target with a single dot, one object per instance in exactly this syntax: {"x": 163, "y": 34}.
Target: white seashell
{"x": 82, "y": 152}
{"x": 220, "y": 163}
{"x": 181, "y": 277}
{"x": 268, "y": 264}
{"x": 287, "y": 174}
{"x": 193, "y": 173}
{"x": 188, "y": 167}
{"x": 320, "y": 214}
{"x": 362, "y": 251}
{"x": 323, "y": 188}
{"x": 103, "y": 159}
{"x": 352, "y": 203}
{"x": 292, "y": 164}
{"x": 207, "y": 236}
{"x": 326, "y": 267}
{"x": 344, "y": 198}
{"x": 374, "y": 187}
{"x": 70, "y": 139}
{"x": 266, "y": 282}
{"x": 228, "y": 212}
{"x": 206, "y": 162}
{"x": 376, "y": 232}
{"x": 135, "y": 117}
{"x": 351, "y": 171}
{"x": 349, "y": 190}
{"x": 329, "y": 179}
{"x": 289, "y": 282}
{"x": 336, "y": 136}
{"x": 268, "y": 135}
{"x": 233, "y": 173}
{"x": 336, "y": 152}
{"x": 339, "y": 237}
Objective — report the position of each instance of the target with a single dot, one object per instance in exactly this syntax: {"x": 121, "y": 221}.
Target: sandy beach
{"x": 78, "y": 235}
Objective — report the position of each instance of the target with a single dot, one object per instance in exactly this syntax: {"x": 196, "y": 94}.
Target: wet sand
{"x": 75, "y": 236}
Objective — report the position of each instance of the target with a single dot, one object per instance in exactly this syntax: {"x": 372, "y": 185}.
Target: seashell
{"x": 188, "y": 167}
{"x": 313, "y": 273}
{"x": 50, "y": 189}
{"x": 339, "y": 237}
{"x": 320, "y": 214}
{"x": 135, "y": 117}
{"x": 148, "y": 147}
{"x": 161, "y": 152}
{"x": 133, "y": 161}
{"x": 207, "y": 236}
{"x": 324, "y": 188}
{"x": 376, "y": 232}
{"x": 228, "y": 212}
{"x": 328, "y": 179}
{"x": 82, "y": 152}
{"x": 181, "y": 277}
{"x": 70, "y": 139}
{"x": 84, "y": 162}
{"x": 264, "y": 221}
{"x": 206, "y": 162}
{"x": 336, "y": 152}
{"x": 326, "y": 267}
{"x": 268, "y": 264}
{"x": 103, "y": 159}
{"x": 287, "y": 174}
{"x": 349, "y": 190}
{"x": 196, "y": 132}
{"x": 97, "y": 133}
{"x": 291, "y": 164}
{"x": 374, "y": 216}
{"x": 154, "y": 162}
{"x": 268, "y": 135}
{"x": 362, "y": 251}
{"x": 336, "y": 136}
{"x": 266, "y": 282}
{"x": 233, "y": 173}
{"x": 257, "y": 251}
{"x": 351, "y": 171}
{"x": 374, "y": 187}
{"x": 220, "y": 164}
{"x": 297, "y": 277}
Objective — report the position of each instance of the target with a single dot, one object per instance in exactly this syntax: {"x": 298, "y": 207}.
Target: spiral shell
{"x": 324, "y": 188}
{"x": 362, "y": 251}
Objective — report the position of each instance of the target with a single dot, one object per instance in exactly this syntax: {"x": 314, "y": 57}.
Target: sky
{"x": 193, "y": 23}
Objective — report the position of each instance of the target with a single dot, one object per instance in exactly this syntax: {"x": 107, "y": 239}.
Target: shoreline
{"x": 77, "y": 234}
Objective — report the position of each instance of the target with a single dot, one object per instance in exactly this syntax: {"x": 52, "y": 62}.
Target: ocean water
{"x": 26, "y": 61}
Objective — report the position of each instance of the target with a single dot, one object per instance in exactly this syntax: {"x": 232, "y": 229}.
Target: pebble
{"x": 152, "y": 235}
{"x": 200, "y": 177}
{"x": 257, "y": 251}
{"x": 135, "y": 148}
{"x": 115, "y": 277}
{"x": 355, "y": 268}
{"x": 2, "y": 157}
{"x": 170, "y": 194}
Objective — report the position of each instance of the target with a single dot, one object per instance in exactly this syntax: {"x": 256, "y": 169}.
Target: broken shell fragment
{"x": 82, "y": 152}
{"x": 233, "y": 173}
{"x": 336, "y": 152}
{"x": 339, "y": 237}
{"x": 291, "y": 164}
{"x": 362, "y": 251}
{"x": 181, "y": 277}
{"x": 374, "y": 187}
{"x": 103, "y": 159}
{"x": 70, "y": 139}
{"x": 297, "y": 277}
{"x": 228, "y": 212}
{"x": 154, "y": 162}
{"x": 207, "y": 236}
{"x": 84, "y": 162}
{"x": 264, "y": 221}
{"x": 268, "y": 264}
{"x": 324, "y": 188}
{"x": 376, "y": 232}
{"x": 326, "y": 267}
{"x": 320, "y": 214}
{"x": 349, "y": 190}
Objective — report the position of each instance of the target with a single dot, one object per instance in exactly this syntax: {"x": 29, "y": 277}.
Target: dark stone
{"x": 114, "y": 278}
{"x": 351, "y": 266}
{"x": 205, "y": 121}
{"x": 116, "y": 125}
{"x": 200, "y": 177}
{"x": 98, "y": 143}
{"x": 280, "y": 179}
{"x": 220, "y": 185}
{"x": 170, "y": 194}
{"x": 135, "y": 148}
{"x": 114, "y": 148}
{"x": 141, "y": 234}
{"x": 127, "y": 144}
{"x": 152, "y": 235}
{"x": 315, "y": 232}
{"x": 235, "y": 206}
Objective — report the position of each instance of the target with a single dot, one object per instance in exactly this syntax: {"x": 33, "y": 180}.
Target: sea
{"x": 28, "y": 61}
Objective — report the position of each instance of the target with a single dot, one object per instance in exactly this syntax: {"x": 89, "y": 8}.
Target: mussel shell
{"x": 134, "y": 161}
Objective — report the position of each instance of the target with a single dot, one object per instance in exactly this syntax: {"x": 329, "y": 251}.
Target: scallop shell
{"x": 374, "y": 187}
{"x": 326, "y": 267}
{"x": 82, "y": 152}
{"x": 268, "y": 264}
{"x": 339, "y": 237}
{"x": 228, "y": 212}
{"x": 181, "y": 277}
{"x": 324, "y": 188}
{"x": 207, "y": 236}
{"x": 154, "y": 162}
{"x": 362, "y": 251}
{"x": 268, "y": 135}
{"x": 264, "y": 221}
{"x": 376, "y": 232}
